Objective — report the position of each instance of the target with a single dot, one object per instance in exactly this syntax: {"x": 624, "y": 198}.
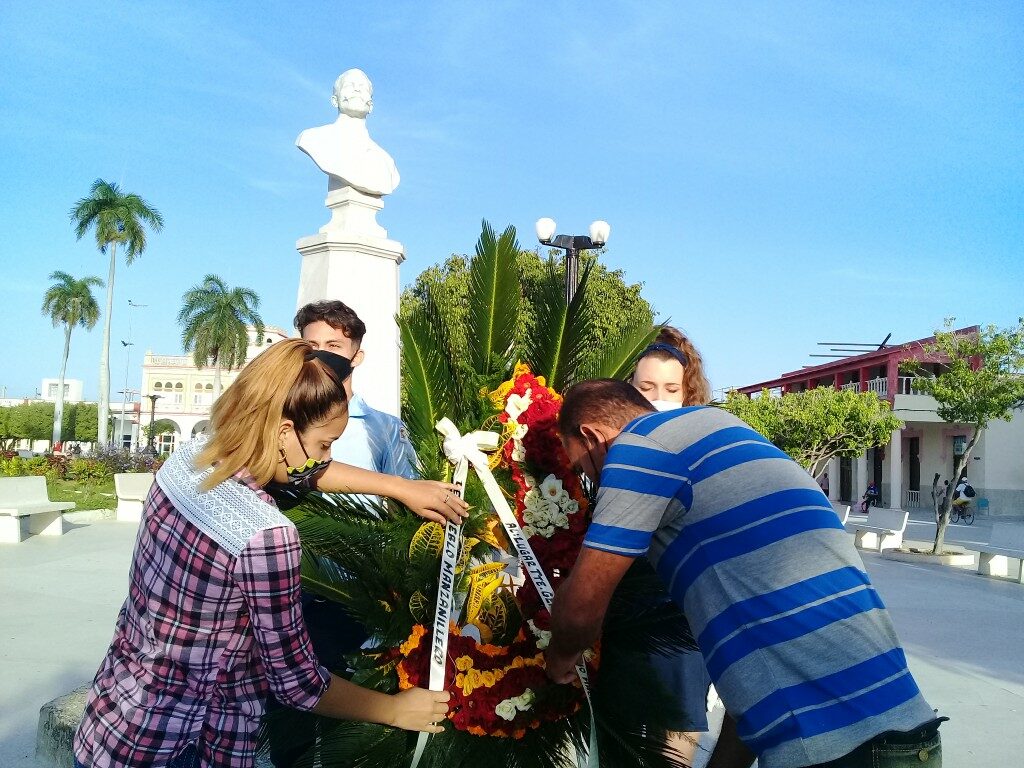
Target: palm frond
{"x": 430, "y": 389}
{"x": 619, "y": 358}
{"x": 494, "y": 298}
{"x": 560, "y": 348}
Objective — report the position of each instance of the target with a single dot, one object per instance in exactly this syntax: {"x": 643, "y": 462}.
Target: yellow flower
{"x": 460, "y": 680}
{"x": 463, "y": 663}
{"x": 488, "y": 679}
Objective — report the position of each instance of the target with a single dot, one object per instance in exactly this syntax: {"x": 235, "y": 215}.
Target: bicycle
{"x": 963, "y": 511}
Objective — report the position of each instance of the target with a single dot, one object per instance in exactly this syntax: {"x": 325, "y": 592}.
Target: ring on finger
{"x": 445, "y": 501}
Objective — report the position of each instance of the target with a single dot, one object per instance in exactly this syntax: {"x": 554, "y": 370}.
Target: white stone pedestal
{"x": 351, "y": 260}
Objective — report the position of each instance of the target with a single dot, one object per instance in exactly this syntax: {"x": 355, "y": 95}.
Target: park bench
{"x": 132, "y": 489}
{"x": 1003, "y": 556}
{"x": 883, "y": 530}
{"x": 25, "y": 508}
{"x": 842, "y": 512}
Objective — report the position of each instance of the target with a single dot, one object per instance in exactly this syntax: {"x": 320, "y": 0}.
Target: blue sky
{"x": 776, "y": 174}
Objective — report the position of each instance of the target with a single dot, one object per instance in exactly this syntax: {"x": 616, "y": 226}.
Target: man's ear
{"x": 357, "y": 359}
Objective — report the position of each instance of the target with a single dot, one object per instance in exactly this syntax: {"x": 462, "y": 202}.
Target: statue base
{"x": 360, "y": 268}
{"x": 352, "y": 212}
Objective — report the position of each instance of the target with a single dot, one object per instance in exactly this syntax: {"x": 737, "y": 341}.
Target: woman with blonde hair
{"x": 212, "y": 624}
{"x": 670, "y": 373}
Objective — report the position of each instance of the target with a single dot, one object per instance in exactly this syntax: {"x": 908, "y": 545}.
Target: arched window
{"x": 199, "y": 387}
{"x": 158, "y": 387}
{"x": 209, "y": 387}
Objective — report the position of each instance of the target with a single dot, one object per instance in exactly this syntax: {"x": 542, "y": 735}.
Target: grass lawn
{"x": 96, "y": 494}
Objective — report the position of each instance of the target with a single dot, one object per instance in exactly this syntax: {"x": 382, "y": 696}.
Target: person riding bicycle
{"x": 871, "y": 497}
{"x": 963, "y": 493}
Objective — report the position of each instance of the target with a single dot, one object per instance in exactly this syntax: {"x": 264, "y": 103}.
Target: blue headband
{"x": 660, "y": 346}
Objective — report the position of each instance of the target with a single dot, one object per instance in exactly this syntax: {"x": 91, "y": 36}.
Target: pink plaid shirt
{"x": 205, "y": 635}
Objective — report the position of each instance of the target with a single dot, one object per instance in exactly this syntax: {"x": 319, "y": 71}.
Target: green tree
{"x": 814, "y": 426}
{"x": 159, "y": 427}
{"x": 31, "y": 421}
{"x": 69, "y": 302}
{"x": 465, "y": 323}
{"x": 214, "y": 322}
{"x": 6, "y": 437}
{"x": 983, "y": 381}
{"x": 86, "y": 422}
{"x": 117, "y": 218}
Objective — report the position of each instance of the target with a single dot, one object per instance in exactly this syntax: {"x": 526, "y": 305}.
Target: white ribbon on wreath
{"x": 464, "y": 451}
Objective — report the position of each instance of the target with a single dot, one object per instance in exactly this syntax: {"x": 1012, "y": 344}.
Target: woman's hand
{"x": 433, "y": 500}
{"x": 418, "y": 709}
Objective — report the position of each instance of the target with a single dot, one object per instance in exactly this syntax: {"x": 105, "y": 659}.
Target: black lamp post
{"x": 572, "y": 245}
{"x": 152, "y": 420}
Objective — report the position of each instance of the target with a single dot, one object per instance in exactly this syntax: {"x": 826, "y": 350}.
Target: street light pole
{"x": 124, "y": 393}
{"x": 572, "y": 245}
{"x": 153, "y": 418}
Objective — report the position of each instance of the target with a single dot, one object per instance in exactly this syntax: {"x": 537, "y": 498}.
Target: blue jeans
{"x": 897, "y": 749}
{"x": 189, "y": 758}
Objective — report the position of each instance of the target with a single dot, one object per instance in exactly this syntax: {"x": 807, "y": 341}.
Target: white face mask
{"x": 665, "y": 405}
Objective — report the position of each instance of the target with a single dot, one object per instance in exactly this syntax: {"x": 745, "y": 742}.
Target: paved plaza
{"x": 964, "y": 635}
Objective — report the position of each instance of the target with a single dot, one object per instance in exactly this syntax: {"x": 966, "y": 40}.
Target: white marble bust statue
{"x": 344, "y": 150}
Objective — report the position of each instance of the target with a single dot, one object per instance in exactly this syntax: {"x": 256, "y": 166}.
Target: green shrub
{"x": 88, "y": 469}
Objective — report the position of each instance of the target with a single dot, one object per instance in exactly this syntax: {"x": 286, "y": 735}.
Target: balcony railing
{"x": 907, "y": 385}
{"x": 913, "y": 499}
{"x": 853, "y": 386}
{"x": 879, "y": 386}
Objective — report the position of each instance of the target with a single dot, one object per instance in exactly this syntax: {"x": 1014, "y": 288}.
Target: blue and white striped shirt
{"x": 797, "y": 641}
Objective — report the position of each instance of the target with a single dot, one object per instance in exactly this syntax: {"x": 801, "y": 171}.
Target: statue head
{"x": 353, "y": 93}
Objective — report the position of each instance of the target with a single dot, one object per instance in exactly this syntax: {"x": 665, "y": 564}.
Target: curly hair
{"x": 696, "y": 387}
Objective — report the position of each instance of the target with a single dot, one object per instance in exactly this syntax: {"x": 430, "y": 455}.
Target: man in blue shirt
{"x": 797, "y": 641}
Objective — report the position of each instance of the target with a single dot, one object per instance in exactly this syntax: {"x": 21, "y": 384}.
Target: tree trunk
{"x": 947, "y": 504}
{"x": 935, "y": 499}
{"x": 216, "y": 379}
{"x": 103, "y": 416}
{"x": 58, "y": 407}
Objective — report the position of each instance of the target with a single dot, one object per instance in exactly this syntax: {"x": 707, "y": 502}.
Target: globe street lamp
{"x": 152, "y": 420}
{"x": 572, "y": 245}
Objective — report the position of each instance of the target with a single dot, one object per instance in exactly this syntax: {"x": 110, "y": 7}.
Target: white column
{"x": 895, "y": 455}
{"x": 860, "y": 478}
{"x": 351, "y": 260}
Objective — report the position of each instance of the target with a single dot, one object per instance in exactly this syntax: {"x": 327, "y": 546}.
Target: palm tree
{"x": 214, "y": 321}
{"x": 117, "y": 217}
{"x": 69, "y": 302}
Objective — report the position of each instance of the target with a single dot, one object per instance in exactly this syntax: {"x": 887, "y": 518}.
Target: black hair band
{"x": 340, "y": 364}
{"x": 660, "y": 346}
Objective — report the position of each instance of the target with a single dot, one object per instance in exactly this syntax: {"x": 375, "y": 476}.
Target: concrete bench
{"x": 883, "y": 530}
{"x": 132, "y": 489}
{"x": 1003, "y": 556}
{"x": 25, "y": 508}
{"x": 842, "y": 512}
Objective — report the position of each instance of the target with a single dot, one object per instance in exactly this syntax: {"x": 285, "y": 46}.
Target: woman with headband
{"x": 212, "y": 624}
{"x": 670, "y": 373}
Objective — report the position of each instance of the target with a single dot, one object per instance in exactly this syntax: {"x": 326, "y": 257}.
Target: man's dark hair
{"x": 336, "y": 314}
{"x": 603, "y": 401}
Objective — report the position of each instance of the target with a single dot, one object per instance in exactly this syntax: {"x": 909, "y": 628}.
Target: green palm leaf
{"x": 560, "y": 347}
{"x": 430, "y": 388}
{"x": 619, "y": 358}
{"x": 494, "y": 298}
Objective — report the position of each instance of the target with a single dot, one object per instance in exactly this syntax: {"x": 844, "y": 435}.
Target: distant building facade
{"x": 926, "y": 446}
{"x": 173, "y": 388}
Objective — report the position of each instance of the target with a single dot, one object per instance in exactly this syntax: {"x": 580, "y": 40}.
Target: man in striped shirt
{"x": 797, "y": 641}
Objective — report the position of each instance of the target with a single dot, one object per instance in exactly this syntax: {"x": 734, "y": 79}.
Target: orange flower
{"x": 410, "y": 645}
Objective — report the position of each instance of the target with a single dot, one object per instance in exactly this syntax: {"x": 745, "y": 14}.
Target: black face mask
{"x": 305, "y": 476}
{"x": 591, "y": 487}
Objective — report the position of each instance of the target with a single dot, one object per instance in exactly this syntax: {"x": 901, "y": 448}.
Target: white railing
{"x": 853, "y": 386}
{"x": 879, "y": 386}
{"x": 169, "y": 361}
{"x": 913, "y": 498}
{"x": 907, "y": 385}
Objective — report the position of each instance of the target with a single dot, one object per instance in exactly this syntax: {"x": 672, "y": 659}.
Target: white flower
{"x": 530, "y": 480}
{"x": 516, "y": 405}
{"x": 518, "y": 451}
{"x": 550, "y": 508}
{"x": 571, "y": 507}
{"x": 524, "y": 700}
{"x": 520, "y": 431}
{"x": 543, "y": 636}
{"x": 533, "y": 500}
{"x": 528, "y": 531}
{"x": 563, "y": 498}
{"x": 560, "y": 520}
{"x": 551, "y": 488}
{"x": 506, "y": 709}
